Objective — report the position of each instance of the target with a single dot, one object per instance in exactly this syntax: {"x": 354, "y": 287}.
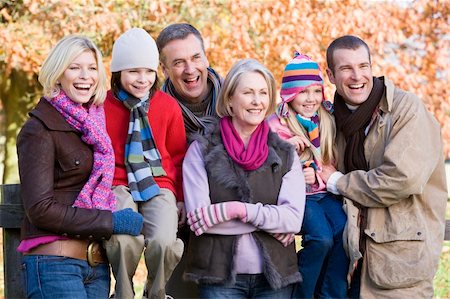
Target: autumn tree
{"x": 409, "y": 42}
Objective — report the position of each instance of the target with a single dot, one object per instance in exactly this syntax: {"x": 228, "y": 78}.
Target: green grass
{"x": 442, "y": 278}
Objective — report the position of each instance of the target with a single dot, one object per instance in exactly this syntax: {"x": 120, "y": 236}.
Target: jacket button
{"x": 77, "y": 236}
{"x": 419, "y": 233}
{"x": 77, "y": 162}
{"x": 91, "y": 237}
{"x": 372, "y": 234}
{"x": 64, "y": 235}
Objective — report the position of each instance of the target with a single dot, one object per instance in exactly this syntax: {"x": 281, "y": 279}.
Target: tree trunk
{"x": 18, "y": 95}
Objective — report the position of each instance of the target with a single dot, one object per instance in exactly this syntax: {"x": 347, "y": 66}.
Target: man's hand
{"x": 327, "y": 171}
{"x": 181, "y": 213}
{"x": 310, "y": 175}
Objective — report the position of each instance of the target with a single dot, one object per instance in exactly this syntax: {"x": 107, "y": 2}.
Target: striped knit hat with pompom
{"x": 300, "y": 73}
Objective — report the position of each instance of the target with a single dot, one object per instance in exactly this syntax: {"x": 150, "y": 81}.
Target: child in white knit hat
{"x": 147, "y": 133}
{"x": 304, "y": 119}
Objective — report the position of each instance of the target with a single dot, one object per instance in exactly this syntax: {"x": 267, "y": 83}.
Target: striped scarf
{"x": 142, "y": 158}
{"x": 193, "y": 123}
{"x": 312, "y": 128}
{"x": 96, "y": 193}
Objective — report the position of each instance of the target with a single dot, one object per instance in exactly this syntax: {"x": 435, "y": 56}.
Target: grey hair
{"x": 175, "y": 32}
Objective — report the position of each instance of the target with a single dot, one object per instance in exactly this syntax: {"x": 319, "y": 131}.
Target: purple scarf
{"x": 96, "y": 193}
{"x": 257, "y": 150}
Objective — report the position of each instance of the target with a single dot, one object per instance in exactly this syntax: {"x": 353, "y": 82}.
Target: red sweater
{"x": 168, "y": 131}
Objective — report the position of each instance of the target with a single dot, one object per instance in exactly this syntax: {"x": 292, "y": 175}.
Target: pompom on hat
{"x": 300, "y": 73}
{"x": 135, "y": 48}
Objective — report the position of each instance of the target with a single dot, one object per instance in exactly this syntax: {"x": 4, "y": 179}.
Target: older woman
{"x": 244, "y": 194}
{"x": 66, "y": 166}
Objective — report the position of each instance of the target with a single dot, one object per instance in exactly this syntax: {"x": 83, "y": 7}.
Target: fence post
{"x": 11, "y": 217}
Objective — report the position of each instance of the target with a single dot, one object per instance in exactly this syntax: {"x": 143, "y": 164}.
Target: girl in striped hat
{"x": 304, "y": 118}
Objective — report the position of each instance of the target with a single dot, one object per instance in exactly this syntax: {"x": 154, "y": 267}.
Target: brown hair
{"x": 350, "y": 42}
{"x": 116, "y": 85}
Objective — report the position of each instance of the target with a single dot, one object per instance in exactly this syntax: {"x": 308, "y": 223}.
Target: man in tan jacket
{"x": 391, "y": 175}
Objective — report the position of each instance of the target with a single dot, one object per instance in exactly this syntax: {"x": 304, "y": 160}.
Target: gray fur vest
{"x": 210, "y": 257}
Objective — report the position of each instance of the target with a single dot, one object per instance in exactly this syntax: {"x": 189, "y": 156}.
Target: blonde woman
{"x": 66, "y": 165}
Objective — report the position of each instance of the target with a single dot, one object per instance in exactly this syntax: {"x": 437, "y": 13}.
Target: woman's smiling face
{"x": 249, "y": 102}
{"x": 80, "y": 78}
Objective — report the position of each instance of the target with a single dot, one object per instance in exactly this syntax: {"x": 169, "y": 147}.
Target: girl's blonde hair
{"x": 59, "y": 59}
{"x": 327, "y": 131}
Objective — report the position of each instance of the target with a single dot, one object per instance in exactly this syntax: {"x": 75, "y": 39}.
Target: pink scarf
{"x": 96, "y": 193}
{"x": 257, "y": 150}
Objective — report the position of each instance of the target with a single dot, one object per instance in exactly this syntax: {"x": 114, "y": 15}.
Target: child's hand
{"x": 181, "y": 213}
{"x": 310, "y": 175}
{"x": 299, "y": 142}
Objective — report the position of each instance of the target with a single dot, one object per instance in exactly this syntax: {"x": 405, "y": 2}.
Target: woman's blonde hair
{"x": 232, "y": 80}
{"x": 59, "y": 59}
{"x": 327, "y": 131}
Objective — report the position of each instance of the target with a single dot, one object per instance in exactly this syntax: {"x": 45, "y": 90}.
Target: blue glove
{"x": 127, "y": 222}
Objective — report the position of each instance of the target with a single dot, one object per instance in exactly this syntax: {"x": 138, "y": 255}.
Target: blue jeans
{"x": 246, "y": 286}
{"x": 322, "y": 261}
{"x": 50, "y": 276}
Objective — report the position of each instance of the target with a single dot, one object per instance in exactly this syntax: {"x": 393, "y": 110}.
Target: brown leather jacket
{"x": 54, "y": 165}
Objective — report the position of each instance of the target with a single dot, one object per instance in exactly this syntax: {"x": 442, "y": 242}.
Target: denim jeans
{"x": 246, "y": 286}
{"x": 50, "y": 276}
{"x": 323, "y": 261}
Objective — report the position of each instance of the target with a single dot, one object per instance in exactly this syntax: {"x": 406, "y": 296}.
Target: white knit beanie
{"x": 134, "y": 49}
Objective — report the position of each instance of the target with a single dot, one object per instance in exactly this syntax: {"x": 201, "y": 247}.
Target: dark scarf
{"x": 353, "y": 125}
{"x": 142, "y": 158}
{"x": 193, "y": 123}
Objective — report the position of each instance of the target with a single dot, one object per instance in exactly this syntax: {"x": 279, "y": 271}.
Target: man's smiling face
{"x": 185, "y": 63}
{"x": 352, "y": 75}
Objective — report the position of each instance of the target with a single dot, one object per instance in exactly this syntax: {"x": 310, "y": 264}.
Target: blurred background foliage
{"x": 410, "y": 42}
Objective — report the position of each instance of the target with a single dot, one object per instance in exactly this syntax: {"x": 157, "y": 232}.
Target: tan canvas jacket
{"x": 405, "y": 193}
